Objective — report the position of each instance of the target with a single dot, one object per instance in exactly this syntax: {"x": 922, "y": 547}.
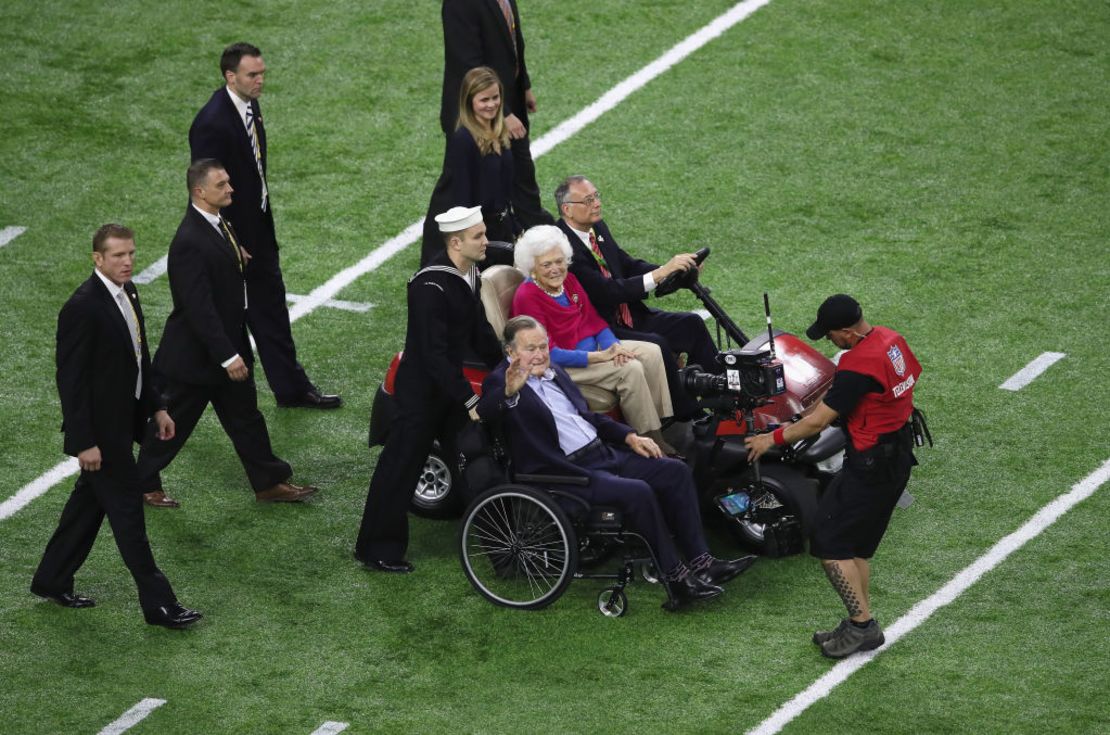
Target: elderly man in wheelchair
{"x": 551, "y": 432}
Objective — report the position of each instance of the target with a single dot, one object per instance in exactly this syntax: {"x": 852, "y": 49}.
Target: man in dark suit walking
{"x": 104, "y": 382}
{"x": 487, "y": 33}
{"x": 618, "y": 284}
{"x": 205, "y": 355}
{"x": 229, "y": 129}
{"x": 550, "y": 431}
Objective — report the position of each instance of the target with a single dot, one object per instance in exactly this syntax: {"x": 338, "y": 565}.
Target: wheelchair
{"x": 524, "y": 537}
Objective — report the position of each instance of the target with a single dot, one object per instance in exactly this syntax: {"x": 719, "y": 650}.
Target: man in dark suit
{"x": 446, "y": 323}
{"x": 487, "y": 33}
{"x": 552, "y": 432}
{"x": 229, "y": 129}
{"x": 205, "y": 355}
{"x": 618, "y": 284}
{"x": 104, "y": 382}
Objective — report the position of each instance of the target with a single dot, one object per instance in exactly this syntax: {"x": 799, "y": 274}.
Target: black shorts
{"x": 855, "y": 509}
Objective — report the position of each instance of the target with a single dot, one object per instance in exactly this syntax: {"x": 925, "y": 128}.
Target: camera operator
{"x": 872, "y": 392}
{"x": 617, "y": 285}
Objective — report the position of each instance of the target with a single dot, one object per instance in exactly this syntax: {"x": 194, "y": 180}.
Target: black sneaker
{"x": 823, "y": 635}
{"x": 849, "y": 639}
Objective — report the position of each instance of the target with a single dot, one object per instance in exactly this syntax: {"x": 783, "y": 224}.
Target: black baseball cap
{"x": 837, "y": 312}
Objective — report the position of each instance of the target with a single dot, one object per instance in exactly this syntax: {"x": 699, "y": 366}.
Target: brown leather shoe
{"x": 159, "y": 499}
{"x": 284, "y": 492}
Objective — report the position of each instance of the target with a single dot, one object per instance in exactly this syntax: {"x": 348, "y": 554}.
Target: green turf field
{"x": 946, "y": 161}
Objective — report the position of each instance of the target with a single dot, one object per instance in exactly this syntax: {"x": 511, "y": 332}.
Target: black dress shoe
{"x": 399, "y": 566}
{"x": 173, "y": 615}
{"x": 721, "y": 571}
{"x": 65, "y": 599}
{"x": 690, "y": 589}
{"x": 312, "y": 398}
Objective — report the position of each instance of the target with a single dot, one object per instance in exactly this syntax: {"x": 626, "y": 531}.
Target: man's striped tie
{"x": 257, "y": 153}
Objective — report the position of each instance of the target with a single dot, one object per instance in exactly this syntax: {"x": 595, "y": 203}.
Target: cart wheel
{"x": 648, "y": 572}
{"x": 612, "y": 602}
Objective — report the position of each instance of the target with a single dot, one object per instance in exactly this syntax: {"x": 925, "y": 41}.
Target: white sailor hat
{"x": 457, "y": 219}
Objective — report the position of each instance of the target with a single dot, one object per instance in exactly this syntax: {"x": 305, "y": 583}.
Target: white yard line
{"x": 1032, "y": 371}
{"x": 38, "y": 486}
{"x": 327, "y": 292}
{"x": 955, "y": 587}
{"x": 152, "y": 271}
{"x": 331, "y": 728}
{"x": 358, "y": 307}
{"x": 133, "y": 716}
{"x": 10, "y": 233}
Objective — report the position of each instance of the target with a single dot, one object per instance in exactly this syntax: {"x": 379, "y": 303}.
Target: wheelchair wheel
{"x": 517, "y": 547}
{"x": 612, "y": 602}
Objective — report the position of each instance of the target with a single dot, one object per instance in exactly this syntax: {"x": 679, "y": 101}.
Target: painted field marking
{"x": 955, "y": 587}
{"x": 1032, "y": 371}
{"x": 331, "y": 728}
{"x": 331, "y": 288}
{"x": 153, "y": 270}
{"x": 133, "y": 716}
{"x": 359, "y": 307}
{"x": 38, "y": 486}
{"x": 10, "y": 233}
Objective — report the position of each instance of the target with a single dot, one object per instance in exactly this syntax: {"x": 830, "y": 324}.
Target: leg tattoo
{"x": 843, "y": 588}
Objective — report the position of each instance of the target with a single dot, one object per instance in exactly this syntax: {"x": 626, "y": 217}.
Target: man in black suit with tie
{"x": 205, "y": 355}
{"x": 104, "y": 382}
{"x": 550, "y": 431}
{"x": 487, "y": 33}
{"x": 618, "y": 284}
{"x": 229, "y": 129}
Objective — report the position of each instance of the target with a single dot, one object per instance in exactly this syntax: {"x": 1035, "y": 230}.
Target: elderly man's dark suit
{"x": 475, "y": 34}
{"x": 673, "y": 331}
{"x": 207, "y": 327}
{"x": 96, "y": 376}
{"x": 218, "y": 132}
{"x": 656, "y": 496}
{"x": 447, "y": 326}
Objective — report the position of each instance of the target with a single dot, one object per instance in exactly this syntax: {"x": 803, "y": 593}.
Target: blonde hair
{"x": 477, "y": 80}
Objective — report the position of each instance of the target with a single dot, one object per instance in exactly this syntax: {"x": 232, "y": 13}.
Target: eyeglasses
{"x": 589, "y": 201}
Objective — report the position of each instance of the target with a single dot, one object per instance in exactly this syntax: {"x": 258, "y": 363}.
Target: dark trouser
{"x": 268, "y": 319}
{"x": 855, "y": 509}
{"x": 526, "y": 192}
{"x": 421, "y": 419}
{"x": 236, "y": 406}
{"x": 95, "y": 495}
{"x": 675, "y": 332}
{"x": 657, "y": 498}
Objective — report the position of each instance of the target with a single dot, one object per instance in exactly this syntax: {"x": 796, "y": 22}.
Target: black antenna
{"x": 770, "y": 332}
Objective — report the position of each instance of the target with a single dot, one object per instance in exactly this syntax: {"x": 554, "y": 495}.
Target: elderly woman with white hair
{"x": 581, "y": 341}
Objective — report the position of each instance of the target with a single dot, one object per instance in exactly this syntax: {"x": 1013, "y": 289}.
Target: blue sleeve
{"x": 569, "y": 358}
{"x": 606, "y": 339}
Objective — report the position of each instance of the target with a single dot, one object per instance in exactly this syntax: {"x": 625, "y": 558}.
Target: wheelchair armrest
{"x": 552, "y": 479}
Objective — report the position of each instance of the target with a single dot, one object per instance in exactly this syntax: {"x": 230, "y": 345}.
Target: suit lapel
{"x": 540, "y": 408}
{"x": 233, "y": 118}
{"x": 609, "y": 252}
{"x": 215, "y": 239}
{"x": 111, "y": 311}
{"x": 500, "y": 17}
